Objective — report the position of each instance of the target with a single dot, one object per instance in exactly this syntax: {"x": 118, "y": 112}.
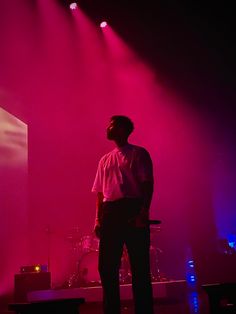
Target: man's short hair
{"x": 124, "y": 122}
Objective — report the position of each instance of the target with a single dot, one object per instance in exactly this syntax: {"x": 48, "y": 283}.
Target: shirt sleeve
{"x": 145, "y": 166}
{"x": 98, "y": 182}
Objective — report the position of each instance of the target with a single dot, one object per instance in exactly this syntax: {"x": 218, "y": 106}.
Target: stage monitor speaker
{"x": 23, "y": 283}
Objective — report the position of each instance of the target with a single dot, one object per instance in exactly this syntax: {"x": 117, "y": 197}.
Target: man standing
{"x": 124, "y": 187}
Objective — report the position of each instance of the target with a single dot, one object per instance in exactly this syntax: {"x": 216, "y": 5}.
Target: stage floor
{"x": 160, "y": 307}
{"x": 173, "y": 290}
{"x": 170, "y": 297}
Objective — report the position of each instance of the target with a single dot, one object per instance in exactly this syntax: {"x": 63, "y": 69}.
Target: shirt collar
{"x": 124, "y": 148}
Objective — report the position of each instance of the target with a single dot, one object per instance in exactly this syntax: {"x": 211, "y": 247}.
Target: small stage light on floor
{"x": 33, "y": 268}
{"x": 73, "y": 6}
{"x": 103, "y": 24}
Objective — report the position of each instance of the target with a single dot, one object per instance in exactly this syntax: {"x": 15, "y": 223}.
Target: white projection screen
{"x": 13, "y": 198}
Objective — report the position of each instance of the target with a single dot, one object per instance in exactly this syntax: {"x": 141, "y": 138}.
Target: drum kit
{"x": 86, "y": 272}
{"x": 86, "y": 269}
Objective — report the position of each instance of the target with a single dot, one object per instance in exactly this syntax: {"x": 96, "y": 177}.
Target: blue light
{"x": 232, "y": 244}
{"x": 192, "y": 279}
{"x": 190, "y": 270}
{"x": 193, "y": 300}
{"x": 231, "y": 238}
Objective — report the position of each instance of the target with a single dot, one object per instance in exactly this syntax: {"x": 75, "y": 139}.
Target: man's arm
{"x": 99, "y": 201}
{"x": 147, "y": 192}
{"x": 143, "y": 217}
{"x": 146, "y": 186}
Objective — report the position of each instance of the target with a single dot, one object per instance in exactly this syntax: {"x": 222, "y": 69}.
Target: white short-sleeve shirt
{"x": 121, "y": 172}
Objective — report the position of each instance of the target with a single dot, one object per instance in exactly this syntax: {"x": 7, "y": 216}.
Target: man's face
{"x": 114, "y": 131}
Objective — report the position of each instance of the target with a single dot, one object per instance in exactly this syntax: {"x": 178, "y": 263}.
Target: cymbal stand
{"x": 155, "y": 271}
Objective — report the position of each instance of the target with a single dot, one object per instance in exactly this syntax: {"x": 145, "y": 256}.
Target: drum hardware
{"x": 155, "y": 271}
{"x": 156, "y": 275}
{"x": 73, "y": 236}
{"x": 89, "y": 243}
{"x": 88, "y": 270}
{"x": 125, "y": 276}
{"x": 87, "y": 274}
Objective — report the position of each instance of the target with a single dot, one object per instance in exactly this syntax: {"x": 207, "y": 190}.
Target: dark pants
{"x": 117, "y": 229}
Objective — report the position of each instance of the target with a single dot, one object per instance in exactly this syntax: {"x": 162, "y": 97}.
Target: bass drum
{"x": 88, "y": 269}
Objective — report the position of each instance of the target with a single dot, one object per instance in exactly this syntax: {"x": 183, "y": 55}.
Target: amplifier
{"x": 23, "y": 283}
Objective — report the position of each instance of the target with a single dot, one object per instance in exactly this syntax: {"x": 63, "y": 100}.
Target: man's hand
{"x": 97, "y": 229}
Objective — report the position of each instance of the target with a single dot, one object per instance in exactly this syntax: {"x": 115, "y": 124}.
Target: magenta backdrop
{"x": 68, "y": 77}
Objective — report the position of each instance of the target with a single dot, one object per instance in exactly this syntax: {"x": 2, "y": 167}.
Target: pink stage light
{"x": 73, "y": 6}
{"x": 103, "y": 24}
